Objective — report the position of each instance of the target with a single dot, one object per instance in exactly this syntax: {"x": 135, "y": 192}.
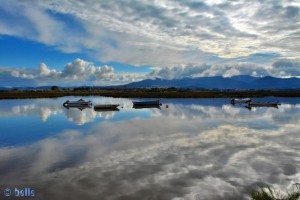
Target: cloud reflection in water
{"x": 184, "y": 152}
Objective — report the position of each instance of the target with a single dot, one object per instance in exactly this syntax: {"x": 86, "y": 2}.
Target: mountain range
{"x": 240, "y": 82}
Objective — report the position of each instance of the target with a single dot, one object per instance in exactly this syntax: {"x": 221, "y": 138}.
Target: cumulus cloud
{"x": 81, "y": 72}
{"x": 159, "y": 33}
{"x": 77, "y": 72}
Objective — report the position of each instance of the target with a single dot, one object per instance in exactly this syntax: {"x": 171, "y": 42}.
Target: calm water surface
{"x": 194, "y": 149}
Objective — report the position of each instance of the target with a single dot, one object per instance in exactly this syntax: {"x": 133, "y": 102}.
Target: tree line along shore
{"x": 140, "y": 93}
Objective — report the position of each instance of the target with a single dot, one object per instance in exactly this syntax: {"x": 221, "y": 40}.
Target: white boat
{"x": 79, "y": 103}
{"x": 240, "y": 101}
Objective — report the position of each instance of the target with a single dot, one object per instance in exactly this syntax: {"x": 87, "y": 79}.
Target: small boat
{"x": 105, "y": 106}
{"x": 79, "y": 103}
{"x": 240, "y": 101}
{"x": 147, "y": 103}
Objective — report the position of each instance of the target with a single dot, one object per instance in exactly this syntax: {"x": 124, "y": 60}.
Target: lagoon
{"x": 194, "y": 149}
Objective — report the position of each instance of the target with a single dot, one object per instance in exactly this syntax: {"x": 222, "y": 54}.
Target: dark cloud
{"x": 292, "y": 12}
{"x": 285, "y": 67}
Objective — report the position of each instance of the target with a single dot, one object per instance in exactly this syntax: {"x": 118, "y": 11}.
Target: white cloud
{"x": 15, "y": 73}
{"x": 29, "y": 21}
{"x": 279, "y": 68}
{"x": 44, "y": 71}
{"x": 159, "y": 33}
{"x": 81, "y": 72}
{"x": 77, "y": 72}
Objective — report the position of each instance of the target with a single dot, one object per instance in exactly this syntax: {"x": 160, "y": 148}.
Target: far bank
{"x": 26, "y": 94}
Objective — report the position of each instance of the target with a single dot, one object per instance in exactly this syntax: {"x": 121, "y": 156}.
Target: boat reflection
{"x": 80, "y": 104}
{"x": 106, "y": 109}
{"x": 81, "y": 108}
{"x": 262, "y": 104}
{"x": 146, "y": 106}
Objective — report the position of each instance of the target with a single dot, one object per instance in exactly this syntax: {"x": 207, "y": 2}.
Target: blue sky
{"x": 116, "y": 42}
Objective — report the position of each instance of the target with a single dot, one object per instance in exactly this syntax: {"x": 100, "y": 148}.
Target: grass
{"x": 21, "y": 94}
{"x": 267, "y": 193}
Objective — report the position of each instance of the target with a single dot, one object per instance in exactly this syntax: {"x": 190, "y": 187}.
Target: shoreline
{"x": 143, "y": 94}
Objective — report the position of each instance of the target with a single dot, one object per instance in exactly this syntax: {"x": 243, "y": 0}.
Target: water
{"x": 194, "y": 149}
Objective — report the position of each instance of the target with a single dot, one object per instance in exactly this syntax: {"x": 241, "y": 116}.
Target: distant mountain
{"x": 241, "y": 82}
{"x": 245, "y": 78}
{"x": 269, "y": 82}
{"x": 219, "y": 82}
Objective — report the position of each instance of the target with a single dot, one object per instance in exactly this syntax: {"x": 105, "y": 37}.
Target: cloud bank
{"x": 75, "y": 73}
{"x": 158, "y": 33}
{"x": 80, "y": 72}
{"x": 279, "y": 68}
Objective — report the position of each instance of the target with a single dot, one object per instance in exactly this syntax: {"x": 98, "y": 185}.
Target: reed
{"x": 267, "y": 193}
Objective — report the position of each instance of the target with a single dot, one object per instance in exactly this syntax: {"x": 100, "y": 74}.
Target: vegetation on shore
{"x": 146, "y": 93}
{"x": 267, "y": 193}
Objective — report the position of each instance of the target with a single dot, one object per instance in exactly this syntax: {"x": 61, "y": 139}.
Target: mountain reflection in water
{"x": 207, "y": 149}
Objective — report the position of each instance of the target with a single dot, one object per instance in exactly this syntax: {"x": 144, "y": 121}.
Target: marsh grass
{"x": 267, "y": 193}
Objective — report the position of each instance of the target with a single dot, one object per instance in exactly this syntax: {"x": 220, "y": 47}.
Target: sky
{"x": 99, "y": 42}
